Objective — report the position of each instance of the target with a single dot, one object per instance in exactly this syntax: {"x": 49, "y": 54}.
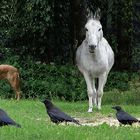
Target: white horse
{"x": 94, "y": 59}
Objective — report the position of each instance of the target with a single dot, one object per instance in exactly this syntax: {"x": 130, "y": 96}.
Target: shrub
{"x": 56, "y": 81}
{"x": 118, "y": 80}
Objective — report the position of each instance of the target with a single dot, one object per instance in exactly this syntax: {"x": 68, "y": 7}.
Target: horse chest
{"x": 94, "y": 66}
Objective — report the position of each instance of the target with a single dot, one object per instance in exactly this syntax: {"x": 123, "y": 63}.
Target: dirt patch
{"x": 108, "y": 120}
{"x": 95, "y": 121}
{"x": 99, "y": 121}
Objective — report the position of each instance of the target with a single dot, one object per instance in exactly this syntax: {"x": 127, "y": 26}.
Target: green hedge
{"x": 56, "y": 81}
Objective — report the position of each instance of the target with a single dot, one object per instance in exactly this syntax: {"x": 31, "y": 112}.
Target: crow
{"x": 56, "y": 115}
{"x": 123, "y": 117}
{"x": 6, "y": 120}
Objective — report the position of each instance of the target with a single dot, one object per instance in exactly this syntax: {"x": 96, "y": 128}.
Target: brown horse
{"x": 11, "y": 74}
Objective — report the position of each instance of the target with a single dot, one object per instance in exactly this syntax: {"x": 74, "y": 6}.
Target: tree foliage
{"x": 47, "y": 30}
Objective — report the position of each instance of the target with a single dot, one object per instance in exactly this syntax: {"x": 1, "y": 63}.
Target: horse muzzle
{"x": 92, "y": 48}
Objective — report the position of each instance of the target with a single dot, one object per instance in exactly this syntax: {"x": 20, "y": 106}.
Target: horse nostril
{"x": 92, "y": 47}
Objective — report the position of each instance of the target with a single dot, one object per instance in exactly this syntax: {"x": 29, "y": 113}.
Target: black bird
{"x": 6, "y": 120}
{"x": 56, "y": 115}
{"x": 123, "y": 117}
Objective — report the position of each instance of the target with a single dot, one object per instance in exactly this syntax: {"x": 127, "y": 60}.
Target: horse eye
{"x": 100, "y": 29}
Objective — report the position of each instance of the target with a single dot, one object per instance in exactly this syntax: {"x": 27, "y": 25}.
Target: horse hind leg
{"x": 17, "y": 96}
{"x": 95, "y": 87}
{"x": 15, "y": 84}
{"x": 17, "y": 90}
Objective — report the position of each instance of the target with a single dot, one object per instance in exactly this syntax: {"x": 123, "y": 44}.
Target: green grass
{"x": 36, "y": 125}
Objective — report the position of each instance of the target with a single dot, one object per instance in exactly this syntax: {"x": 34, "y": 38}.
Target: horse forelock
{"x": 93, "y": 22}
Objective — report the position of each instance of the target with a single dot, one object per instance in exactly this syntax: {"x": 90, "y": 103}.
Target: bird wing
{"x": 59, "y": 115}
{"x": 125, "y": 116}
{"x": 4, "y": 118}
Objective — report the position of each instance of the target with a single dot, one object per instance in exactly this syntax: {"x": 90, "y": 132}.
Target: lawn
{"x": 36, "y": 125}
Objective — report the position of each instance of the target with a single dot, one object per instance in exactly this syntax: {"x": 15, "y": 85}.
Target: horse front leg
{"x": 94, "y": 93}
{"x": 94, "y": 97}
{"x": 102, "y": 81}
{"x": 89, "y": 83}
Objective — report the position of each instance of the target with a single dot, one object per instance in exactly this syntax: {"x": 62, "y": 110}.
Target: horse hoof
{"x": 89, "y": 110}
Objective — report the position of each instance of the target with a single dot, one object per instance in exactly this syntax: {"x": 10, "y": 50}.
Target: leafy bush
{"x": 118, "y": 80}
{"x": 46, "y": 29}
{"x": 56, "y": 81}
{"x": 61, "y": 82}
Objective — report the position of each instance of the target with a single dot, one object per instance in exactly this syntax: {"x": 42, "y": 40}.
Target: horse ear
{"x": 97, "y": 15}
{"x": 89, "y": 14}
